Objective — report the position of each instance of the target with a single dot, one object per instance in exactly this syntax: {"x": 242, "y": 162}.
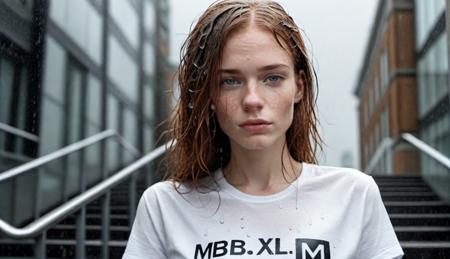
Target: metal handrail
{"x": 18, "y": 132}
{"x": 388, "y": 143}
{"x": 54, "y": 216}
{"x": 427, "y": 149}
{"x": 66, "y": 151}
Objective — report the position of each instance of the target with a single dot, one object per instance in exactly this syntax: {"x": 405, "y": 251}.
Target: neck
{"x": 263, "y": 171}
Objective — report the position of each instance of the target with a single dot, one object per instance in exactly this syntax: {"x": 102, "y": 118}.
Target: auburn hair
{"x": 201, "y": 146}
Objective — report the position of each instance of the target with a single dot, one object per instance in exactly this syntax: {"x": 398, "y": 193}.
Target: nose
{"x": 253, "y": 99}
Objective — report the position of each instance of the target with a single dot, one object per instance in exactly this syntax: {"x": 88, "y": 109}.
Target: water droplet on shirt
{"x": 281, "y": 207}
{"x": 248, "y": 235}
{"x": 242, "y": 227}
{"x": 222, "y": 221}
{"x": 242, "y": 218}
{"x": 290, "y": 228}
{"x": 205, "y": 234}
{"x": 322, "y": 218}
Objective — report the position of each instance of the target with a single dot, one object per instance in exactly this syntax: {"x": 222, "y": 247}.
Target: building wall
{"x": 414, "y": 36}
{"x": 433, "y": 89}
{"x": 387, "y": 89}
{"x": 96, "y": 68}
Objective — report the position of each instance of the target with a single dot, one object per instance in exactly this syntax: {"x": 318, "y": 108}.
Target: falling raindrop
{"x": 190, "y": 105}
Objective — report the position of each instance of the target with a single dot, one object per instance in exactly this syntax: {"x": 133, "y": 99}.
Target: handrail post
{"x": 132, "y": 199}
{"x": 40, "y": 250}
{"x": 80, "y": 233}
{"x": 105, "y": 224}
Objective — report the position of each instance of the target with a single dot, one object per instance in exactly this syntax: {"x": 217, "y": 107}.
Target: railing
{"x": 77, "y": 202}
{"x": 388, "y": 143}
{"x": 37, "y": 228}
{"x": 66, "y": 151}
{"x": 18, "y": 132}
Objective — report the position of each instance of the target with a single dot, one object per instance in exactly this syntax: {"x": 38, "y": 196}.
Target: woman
{"x": 243, "y": 179}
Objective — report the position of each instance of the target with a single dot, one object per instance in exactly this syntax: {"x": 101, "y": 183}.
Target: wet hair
{"x": 201, "y": 146}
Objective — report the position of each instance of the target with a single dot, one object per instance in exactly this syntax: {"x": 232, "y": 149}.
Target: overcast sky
{"x": 337, "y": 32}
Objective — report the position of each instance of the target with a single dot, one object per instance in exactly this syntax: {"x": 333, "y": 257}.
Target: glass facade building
{"x": 433, "y": 85}
{"x": 69, "y": 70}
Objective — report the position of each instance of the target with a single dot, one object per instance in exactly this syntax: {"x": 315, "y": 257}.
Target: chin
{"x": 256, "y": 143}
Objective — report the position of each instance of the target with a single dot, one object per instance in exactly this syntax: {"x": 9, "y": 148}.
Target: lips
{"x": 255, "y": 126}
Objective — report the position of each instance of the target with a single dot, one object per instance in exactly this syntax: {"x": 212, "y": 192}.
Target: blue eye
{"x": 273, "y": 79}
{"x": 230, "y": 82}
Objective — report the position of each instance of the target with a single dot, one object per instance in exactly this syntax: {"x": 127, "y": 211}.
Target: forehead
{"x": 254, "y": 45}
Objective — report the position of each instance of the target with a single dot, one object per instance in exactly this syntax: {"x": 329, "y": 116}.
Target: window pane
{"x": 149, "y": 17}
{"x": 125, "y": 16}
{"x": 81, "y": 22}
{"x": 122, "y": 69}
{"x": 22, "y": 109}
{"x": 55, "y": 65}
{"x": 6, "y": 87}
{"x": 94, "y": 100}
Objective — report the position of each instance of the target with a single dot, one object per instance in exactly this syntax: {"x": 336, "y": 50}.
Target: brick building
{"x": 387, "y": 91}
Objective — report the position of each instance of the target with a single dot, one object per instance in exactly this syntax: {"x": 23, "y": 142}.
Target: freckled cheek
{"x": 226, "y": 111}
{"x": 228, "y": 105}
{"x": 282, "y": 105}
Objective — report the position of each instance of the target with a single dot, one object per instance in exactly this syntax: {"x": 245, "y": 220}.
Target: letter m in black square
{"x": 312, "y": 249}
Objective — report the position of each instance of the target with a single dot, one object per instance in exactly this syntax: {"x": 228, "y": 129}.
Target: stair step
{"x": 409, "y": 196}
{"x": 422, "y": 228}
{"x": 59, "y": 248}
{"x": 417, "y": 207}
{"x": 96, "y": 219}
{"x": 425, "y": 249}
{"x": 404, "y": 189}
{"x": 407, "y": 180}
{"x": 114, "y": 210}
{"x": 432, "y": 194}
{"x": 429, "y": 233}
{"x": 115, "y": 243}
{"x": 402, "y": 184}
{"x": 92, "y": 232}
{"x": 419, "y": 216}
{"x": 396, "y": 177}
{"x": 424, "y": 244}
{"x": 420, "y": 219}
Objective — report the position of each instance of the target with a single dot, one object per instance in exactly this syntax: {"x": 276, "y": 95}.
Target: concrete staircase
{"x": 420, "y": 219}
{"x": 61, "y": 237}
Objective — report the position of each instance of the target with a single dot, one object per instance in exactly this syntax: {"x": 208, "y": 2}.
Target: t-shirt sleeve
{"x": 145, "y": 238}
{"x": 378, "y": 239}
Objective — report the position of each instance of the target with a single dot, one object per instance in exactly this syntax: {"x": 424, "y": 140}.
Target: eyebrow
{"x": 264, "y": 68}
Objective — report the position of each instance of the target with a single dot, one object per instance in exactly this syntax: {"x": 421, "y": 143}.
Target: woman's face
{"x": 258, "y": 90}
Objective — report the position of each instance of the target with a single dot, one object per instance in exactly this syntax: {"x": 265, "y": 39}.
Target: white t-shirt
{"x": 327, "y": 213}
